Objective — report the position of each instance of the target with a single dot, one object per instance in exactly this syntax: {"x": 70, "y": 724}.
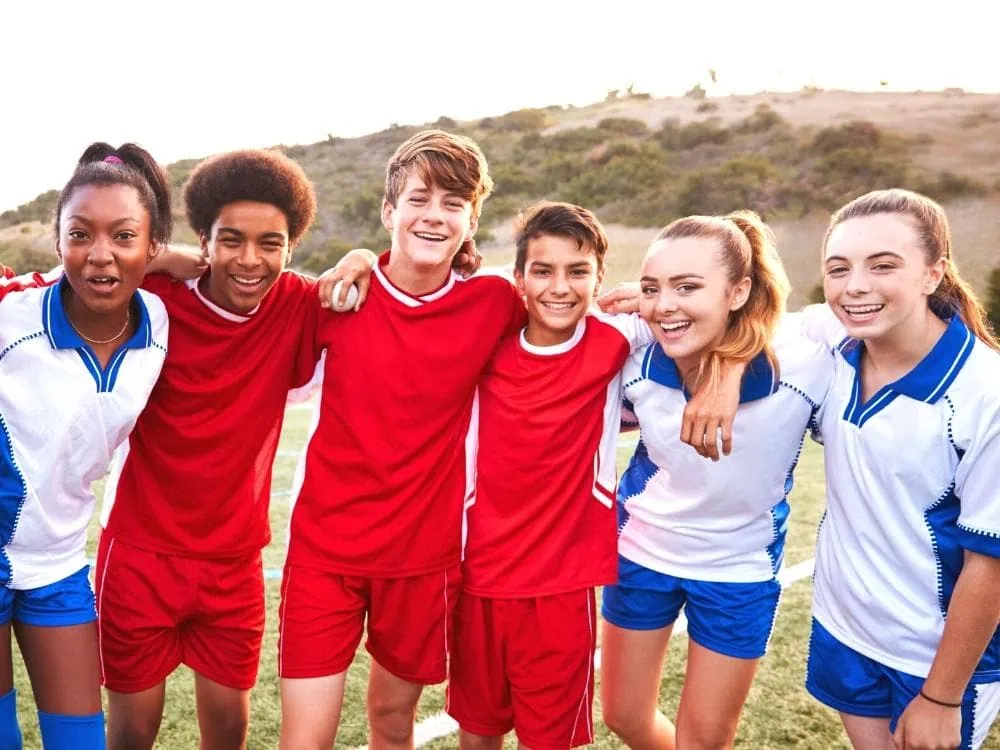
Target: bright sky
{"x": 187, "y": 79}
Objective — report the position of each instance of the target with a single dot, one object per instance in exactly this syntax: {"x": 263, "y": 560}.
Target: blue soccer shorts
{"x": 854, "y": 684}
{"x": 732, "y": 619}
{"x": 66, "y": 602}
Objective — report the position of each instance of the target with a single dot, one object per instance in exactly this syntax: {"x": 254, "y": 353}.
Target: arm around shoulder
{"x": 819, "y": 323}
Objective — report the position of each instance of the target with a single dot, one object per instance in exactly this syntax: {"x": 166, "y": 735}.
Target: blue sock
{"x": 10, "y": 730}
{"x": 60, "y": 732}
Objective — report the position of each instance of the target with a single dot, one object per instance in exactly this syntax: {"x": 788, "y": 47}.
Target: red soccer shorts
{"x": 156, "y": 612}
{"x": 526, "y": 665}
{"x": 322, "y": 618}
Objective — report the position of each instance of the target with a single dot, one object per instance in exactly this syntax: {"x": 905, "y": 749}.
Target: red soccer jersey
{"x": 196, "y": 478}
{"x": 390, "y": 461}
{"x": 543, "y": 521}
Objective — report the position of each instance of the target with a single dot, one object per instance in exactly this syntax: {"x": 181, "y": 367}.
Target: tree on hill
{"x": 993, "y": 298}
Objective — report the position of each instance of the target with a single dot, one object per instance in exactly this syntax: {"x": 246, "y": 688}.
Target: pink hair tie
{"x": 113, "y": 159}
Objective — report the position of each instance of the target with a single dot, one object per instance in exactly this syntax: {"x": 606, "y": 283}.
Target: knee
{"x": 702, "y": 744}
{"x": 133, "y": 733}
{"x": 627, "y": 724}
{"x": 701, "y": 738}
{"x": 225, "y": 729}
{"x": 391, "y": 719}
{"x": 469, "y": 741}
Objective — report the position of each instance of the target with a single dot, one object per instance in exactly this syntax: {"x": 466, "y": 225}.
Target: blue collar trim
{"x": 61, "y": 333}
{"x": 758, "y": 381}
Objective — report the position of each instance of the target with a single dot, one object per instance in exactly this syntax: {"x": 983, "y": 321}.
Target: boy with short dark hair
{"x": 541, "y": 525}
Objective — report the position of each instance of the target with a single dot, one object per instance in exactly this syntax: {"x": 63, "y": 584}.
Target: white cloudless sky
{"x": 187, "y": 79}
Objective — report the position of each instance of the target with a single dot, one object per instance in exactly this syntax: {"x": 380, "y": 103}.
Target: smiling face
{"x": 247, "y": 250}
{"x": 686, "y": 297}
{"x": 876, "y": 277}
{"x": 428, "y": 224}
{"x": 559, "y": 281}
{"x": 104, "y": 242}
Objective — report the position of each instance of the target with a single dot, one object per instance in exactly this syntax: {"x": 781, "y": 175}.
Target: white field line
{"x": 441, "y": 725}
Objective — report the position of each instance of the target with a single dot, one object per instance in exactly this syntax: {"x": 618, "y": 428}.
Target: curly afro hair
{"x": 252, "y": 175}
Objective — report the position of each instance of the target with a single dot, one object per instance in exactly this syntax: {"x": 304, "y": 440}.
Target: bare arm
{"x": 973, "y": 616}
{"x": 712, "y": 410}
{"x": 354, "y": 268}
{"x": 623, "y": 298}
{"x": 179, "y": 262}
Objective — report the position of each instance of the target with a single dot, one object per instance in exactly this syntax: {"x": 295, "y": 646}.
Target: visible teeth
{"x": 862, "y": 309}
{"x": 245, "y": 281}
{"x": 559, "y": 305}
{"x": 101, "y": 279}
{"x": 675, "y": 326}
{"x": 429, "y": 236}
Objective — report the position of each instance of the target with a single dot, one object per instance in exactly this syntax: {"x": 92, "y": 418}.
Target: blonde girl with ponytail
{"x": 905, "y": 643}
{"x": 694, "y": 535}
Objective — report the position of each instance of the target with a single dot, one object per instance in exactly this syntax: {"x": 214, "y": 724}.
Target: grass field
{"x": 779, "y": 714}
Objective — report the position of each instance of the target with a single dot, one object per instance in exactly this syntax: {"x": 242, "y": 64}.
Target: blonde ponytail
{"x": 747, "y": 250}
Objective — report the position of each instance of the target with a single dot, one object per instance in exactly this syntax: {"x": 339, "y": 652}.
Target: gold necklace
{"x": 85, "y": 337}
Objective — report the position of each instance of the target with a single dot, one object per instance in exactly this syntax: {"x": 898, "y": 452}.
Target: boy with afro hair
{"x": 179, "y": 576}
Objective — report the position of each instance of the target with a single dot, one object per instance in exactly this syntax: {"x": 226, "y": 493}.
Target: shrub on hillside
{"x": 859, "y": 134}
{"x": 178, "y": 173}
{"x": 950, "y": 185}
{"x": 993, "y": 298}
{"x": 652, "y": 208}
{"x": 676, "y": 137}
{"x": 499, "y": 207}
{"x": 558, "y": 168}
{"x": 763, "y": 119}
{"x": 391, "y": 137}
{"x": 623, "y": 126}
{"x": 572, "y": 140}
{"x": 39, "y": 209}
{"x": 845, "y": 173}
{"x": 742, "y": 182}
{"x": 520, "y": 120}
{"x": 696, "y": 92}
{"x": 364, "y": 208}
{"x": 706, "y": 106}
{"x": 512, "y": 179}
{"x": 25, "y": 257}
{"x": 629, "y": 170}
{"x": 322, "y": 258}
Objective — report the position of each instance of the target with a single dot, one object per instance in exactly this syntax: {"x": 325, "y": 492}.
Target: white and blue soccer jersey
{"x": 61, "y": 418}
{"x": 912, "y": 482}
{"x": 685, "y": 516}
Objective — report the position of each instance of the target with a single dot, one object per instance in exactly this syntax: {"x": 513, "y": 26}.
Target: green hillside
{"x": 640, "y": 162}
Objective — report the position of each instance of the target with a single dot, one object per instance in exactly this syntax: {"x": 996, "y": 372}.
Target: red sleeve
{"x": 518, "y": 315}
{"x": 11, "y": 283}
{"x": 308, "y": 352}
{"x": 159, "y": 284}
